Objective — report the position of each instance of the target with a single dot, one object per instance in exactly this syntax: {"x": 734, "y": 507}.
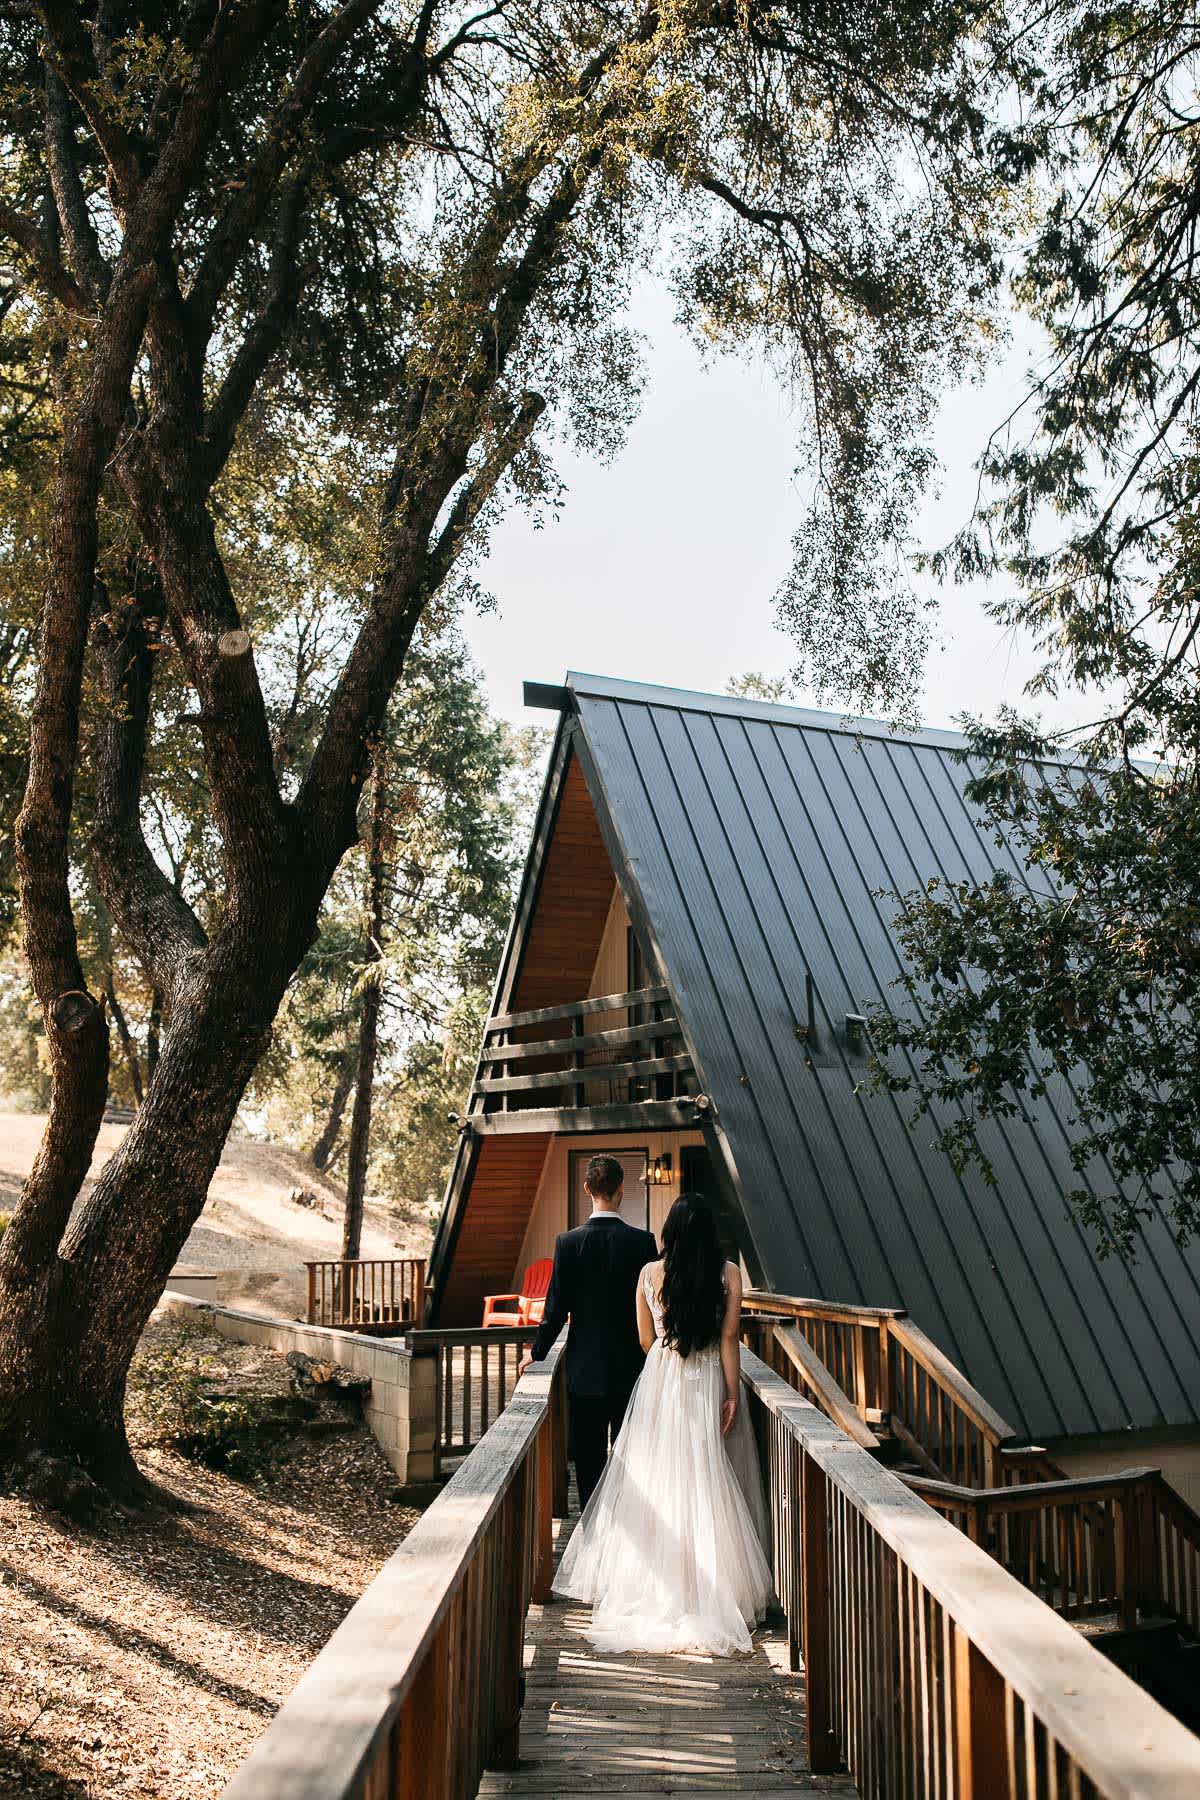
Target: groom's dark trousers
{"x": 594, "y": 1284}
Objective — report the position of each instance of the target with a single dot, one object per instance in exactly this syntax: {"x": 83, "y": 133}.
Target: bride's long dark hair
{"x": 693, "y": 1286}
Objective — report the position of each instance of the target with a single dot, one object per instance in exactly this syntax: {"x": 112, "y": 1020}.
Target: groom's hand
{"x": 728, "y": 1415}
{"x": 526, "y": 1362}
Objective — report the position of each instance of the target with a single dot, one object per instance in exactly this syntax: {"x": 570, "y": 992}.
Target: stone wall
{"x": 400, "y": 1406}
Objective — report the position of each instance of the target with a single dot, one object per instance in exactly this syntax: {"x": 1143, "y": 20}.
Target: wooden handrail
{"x": 471, "y": 1334}
{"x": 836, "y": 1311}
{"x": 617, "y": 1039}
{"x": 897, "y": 1378}
{"x": 585, "y": 1072}
{"x": 1036, "y": 1494}
{"x": 821, "y": 1387}
{"x": 419, "y": 1688}
{"x": 575, "y": 1009}
{"x": 929, "y": 1669}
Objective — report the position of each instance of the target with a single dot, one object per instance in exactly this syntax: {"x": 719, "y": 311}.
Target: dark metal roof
{"x": 752, "y": 842}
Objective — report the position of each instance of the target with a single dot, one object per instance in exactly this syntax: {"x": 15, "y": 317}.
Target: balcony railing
{"x": 566, "y": 1056}
{"x": 382, "y": 1296}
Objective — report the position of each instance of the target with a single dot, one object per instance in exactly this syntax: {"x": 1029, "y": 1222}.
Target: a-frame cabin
{"x": 700, "y": 933}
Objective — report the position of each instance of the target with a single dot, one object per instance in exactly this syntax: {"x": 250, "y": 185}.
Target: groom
{"x": 594, "y": 1283}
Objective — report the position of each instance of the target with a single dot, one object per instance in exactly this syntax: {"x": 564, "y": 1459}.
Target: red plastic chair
{"x": 525, "y": 1308}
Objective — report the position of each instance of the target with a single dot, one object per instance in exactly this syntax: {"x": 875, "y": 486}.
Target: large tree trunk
{"x": 368, "y": 1030}
{"x": 67, "y": 1336}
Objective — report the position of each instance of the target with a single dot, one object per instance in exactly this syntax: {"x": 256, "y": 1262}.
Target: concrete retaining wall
{"x": 399, "y": 1408}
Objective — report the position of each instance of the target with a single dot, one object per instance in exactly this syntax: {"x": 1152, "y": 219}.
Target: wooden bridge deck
{"x": 595, "y": 1723}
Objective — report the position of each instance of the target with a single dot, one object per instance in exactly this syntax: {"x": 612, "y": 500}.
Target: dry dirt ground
{"x": 251, "y": 1230}
{"x": 141, "y": 1658}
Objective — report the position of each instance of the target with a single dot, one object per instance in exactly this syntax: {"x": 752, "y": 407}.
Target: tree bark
{"x": 153, "y": 1031}
{"x": 368, "y": 1030}
{"x": 66, "y": 1339}
{"x": 322, "y": 1150}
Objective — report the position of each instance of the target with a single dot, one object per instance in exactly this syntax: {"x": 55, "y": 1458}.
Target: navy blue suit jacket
{"x": 596, "y": 1268}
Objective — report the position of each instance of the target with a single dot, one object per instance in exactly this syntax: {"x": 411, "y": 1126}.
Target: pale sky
{"x": 662, "y": 566}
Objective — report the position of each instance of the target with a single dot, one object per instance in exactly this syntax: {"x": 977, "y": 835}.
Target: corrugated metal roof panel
{"x": 761, "y": 839}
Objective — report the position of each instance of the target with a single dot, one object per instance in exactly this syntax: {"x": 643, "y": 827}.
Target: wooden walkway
{"x": 595, "y": 1723}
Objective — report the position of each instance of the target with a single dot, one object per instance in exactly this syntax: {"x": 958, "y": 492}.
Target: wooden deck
{"x": 600, "y": 1724}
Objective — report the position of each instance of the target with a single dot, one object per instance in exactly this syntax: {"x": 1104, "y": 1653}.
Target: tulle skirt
{"x": 670, "y": 1550}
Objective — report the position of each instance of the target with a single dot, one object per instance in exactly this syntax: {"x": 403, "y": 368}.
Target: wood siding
{"x": 573, "y": 906}
{"x": 505, "y": 1179}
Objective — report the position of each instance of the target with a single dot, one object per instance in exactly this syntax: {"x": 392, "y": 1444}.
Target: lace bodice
{"x": 654, "y": 1301}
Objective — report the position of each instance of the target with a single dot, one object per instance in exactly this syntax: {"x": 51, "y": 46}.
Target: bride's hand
{"x": 728, "y": 1415}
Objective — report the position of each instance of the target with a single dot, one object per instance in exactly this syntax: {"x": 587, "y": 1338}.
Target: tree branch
{"x": 235, "y": 230}
{"x": 284, "y": 286}
{"x": 43, "y": 259}
{"x": 62, "y": 162}
{"x": 150, "y": 913}
{"x": 72, "y": 57}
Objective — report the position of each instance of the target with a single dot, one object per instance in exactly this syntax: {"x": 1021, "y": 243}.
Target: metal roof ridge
{"x": 646, "y": 693}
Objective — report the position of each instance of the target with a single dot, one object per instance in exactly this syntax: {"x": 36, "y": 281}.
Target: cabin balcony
{"x": 610, "y": 1062}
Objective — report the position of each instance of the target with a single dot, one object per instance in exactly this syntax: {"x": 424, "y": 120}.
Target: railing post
{"x": 980, "y": 1731}
{"x": 577, "y": 1059}
{"x": 990, "y": 1471}
{"x": 424, "y": 1413}
{"x": 543, "y": 1525}
{"x": 885, "y": 1371}
{"x": 311, "y": 1310}
{"x": 510, "y": 1627}
{"x": 423, "y": 1759}
{"x": 559, "y": 1420}
{"x": 823, "y": 1757}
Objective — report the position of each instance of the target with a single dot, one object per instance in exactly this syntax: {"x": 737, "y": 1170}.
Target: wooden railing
{"x": 789, "y": 1352}
{"x": 644, "y": 1053}
{"x": 930, "y": 1672}
{"x": 1170, "y": 1534}
{"x": 374, "y": 1294}
{"x": 900, "y": 1384}
{"x": 419, "y": 1689}
{"x": 1075, "y": 1544}
{"x": 1125, "y": 1544}
{"x": 476, "y": 1376}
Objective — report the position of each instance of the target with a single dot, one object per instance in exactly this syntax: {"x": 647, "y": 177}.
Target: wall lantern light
{"x": 661, "y": 1173}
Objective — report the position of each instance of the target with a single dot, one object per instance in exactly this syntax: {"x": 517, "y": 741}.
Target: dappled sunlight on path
{"x": 596, "y": 1723}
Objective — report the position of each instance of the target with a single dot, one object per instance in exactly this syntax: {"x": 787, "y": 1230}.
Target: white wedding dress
{"x": 669, "y": 1552}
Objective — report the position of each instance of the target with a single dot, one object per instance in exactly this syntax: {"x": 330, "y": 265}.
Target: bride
{"x": 669, "y": 1550}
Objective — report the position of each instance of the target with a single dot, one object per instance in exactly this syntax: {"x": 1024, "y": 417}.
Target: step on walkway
{"x": 595, "y": 1723}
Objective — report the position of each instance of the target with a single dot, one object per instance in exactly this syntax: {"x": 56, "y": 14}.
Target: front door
{"x": 635, "y": 1207}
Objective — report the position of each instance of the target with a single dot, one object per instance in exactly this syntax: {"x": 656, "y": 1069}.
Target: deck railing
{"x": 930, "y": 1672}
{"x": 1125, "y": 1544}
{"x": 476, "y": 1376}
{"x": 899, "y": 1383}
{"x": 382, "y": 1295}
{"x": 419, "y": 1689}
{"x": 565, "y": 1059}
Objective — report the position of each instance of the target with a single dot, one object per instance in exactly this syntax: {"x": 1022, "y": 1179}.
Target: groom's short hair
{"x": 604, "y": 1176}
